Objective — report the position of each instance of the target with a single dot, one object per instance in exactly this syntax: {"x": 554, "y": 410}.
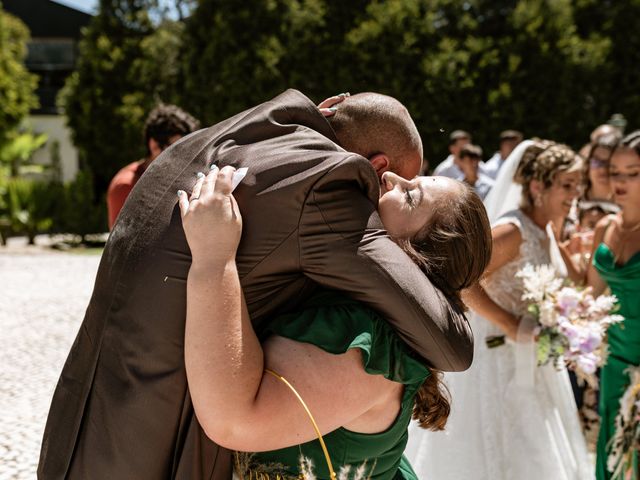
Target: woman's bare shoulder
{"x": 506, "y": 232}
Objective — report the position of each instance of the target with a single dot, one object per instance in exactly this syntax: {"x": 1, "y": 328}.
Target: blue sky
{"x": 90, "y": 6}
{"x": 87, "y": 6}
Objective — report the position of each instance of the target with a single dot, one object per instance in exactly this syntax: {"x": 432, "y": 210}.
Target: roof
{"x": 48, "y": 19}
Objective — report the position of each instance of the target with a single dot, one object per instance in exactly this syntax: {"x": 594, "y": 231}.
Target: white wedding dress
{"x": 510, "y": 420}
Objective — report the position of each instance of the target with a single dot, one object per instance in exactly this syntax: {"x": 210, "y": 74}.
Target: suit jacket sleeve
{"x": 343, "y": 246}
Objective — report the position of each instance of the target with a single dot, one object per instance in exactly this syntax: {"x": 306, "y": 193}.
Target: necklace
{"x": 624, "y": 237}
{"x": 632, "y": 229}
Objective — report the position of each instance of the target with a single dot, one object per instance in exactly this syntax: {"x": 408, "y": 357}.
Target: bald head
{"x": 379, "y": 127}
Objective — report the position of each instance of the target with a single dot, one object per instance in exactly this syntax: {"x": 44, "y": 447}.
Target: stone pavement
{"x": 43, "y": 296}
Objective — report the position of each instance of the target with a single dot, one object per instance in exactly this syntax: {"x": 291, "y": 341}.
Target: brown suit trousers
{"x": 121, "y": 409}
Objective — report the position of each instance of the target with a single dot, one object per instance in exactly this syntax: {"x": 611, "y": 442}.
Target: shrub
{"x": 27, "y": 207}
{"x": 79, "y": 213}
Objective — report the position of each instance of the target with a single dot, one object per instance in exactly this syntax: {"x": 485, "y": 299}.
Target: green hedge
{"x": 30, "y": 207}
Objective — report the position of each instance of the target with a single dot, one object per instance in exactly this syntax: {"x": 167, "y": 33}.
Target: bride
{"x": 511, "y": 419}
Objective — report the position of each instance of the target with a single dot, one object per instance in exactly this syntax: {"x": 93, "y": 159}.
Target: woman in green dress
{"x": 359, "y": 380}
{"x": 616, "y": 263}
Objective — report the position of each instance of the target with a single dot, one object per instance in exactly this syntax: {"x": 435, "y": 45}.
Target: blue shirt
{"x": 482, "y": 186}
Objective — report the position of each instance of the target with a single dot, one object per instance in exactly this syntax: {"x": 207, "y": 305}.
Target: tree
{"x": 483, "y": 66}
{"x": 615, "y": 84}
{"x": 551, "y": 68}
{"x": 17, "y": 150}
{"x": 17, "y": 85}
{"x": 124, "y": 68}
{"x": 236, "y": 56}
{"x": 553, "y": 82}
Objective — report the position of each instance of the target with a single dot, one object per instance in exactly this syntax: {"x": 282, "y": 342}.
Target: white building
{"x": 55, "y": 31}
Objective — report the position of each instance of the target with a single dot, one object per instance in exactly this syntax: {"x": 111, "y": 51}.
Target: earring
{"x": 538, "y": 201}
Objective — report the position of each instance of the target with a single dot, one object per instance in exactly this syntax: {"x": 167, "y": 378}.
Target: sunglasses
{"x": 598, "y": 163}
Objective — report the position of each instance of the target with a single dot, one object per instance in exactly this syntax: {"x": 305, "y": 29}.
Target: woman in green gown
{"x": 360, "y": 382}
{"x": 616, "y": 264}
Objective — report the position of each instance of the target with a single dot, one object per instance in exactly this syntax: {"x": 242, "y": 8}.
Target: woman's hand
{"x": 210, "y": 217}
{"x": 327, "y": 108}
{"x": 575, "y": 271}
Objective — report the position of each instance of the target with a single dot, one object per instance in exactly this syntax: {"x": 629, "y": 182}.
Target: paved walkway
{"x": 43, "y": 296}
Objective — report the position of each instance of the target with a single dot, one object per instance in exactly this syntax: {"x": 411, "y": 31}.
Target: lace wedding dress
{"x": 509, "y": 418}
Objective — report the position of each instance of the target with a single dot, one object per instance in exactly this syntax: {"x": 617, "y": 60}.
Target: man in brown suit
{"x": 121, "y": 409}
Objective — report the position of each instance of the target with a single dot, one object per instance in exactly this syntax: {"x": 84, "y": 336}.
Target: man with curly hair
{"x": 165, "y": 125}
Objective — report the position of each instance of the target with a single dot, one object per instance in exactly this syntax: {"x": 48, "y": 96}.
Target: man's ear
{"x": 381, "y": 163}
{"x": 154, "y": 148}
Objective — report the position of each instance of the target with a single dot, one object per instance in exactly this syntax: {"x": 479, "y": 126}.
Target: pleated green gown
{"x": 624, "y": 346}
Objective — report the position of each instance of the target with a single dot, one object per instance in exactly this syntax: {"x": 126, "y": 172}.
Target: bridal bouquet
{"x": 626, "y": 439}
{"x": 571, "y": 323}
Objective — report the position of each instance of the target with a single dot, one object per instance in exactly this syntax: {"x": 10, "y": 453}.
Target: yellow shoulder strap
{"x": 315, "y": 425}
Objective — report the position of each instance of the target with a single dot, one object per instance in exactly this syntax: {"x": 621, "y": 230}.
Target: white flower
{"x": 548, "y": 314}
{"x": 306, "y": 468}
{"x": 539, "y": 282}
{"x": 610, "y": 319}
{"x": 630, "y": 395}
{"x": 603, "y": 304}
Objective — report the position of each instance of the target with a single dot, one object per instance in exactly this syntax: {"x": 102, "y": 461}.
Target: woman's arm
{"x": 238, "y": 406}
{"x": 594, "y": 280}
{"x": 575, "y": 272}
{"x": 506, "y": 247}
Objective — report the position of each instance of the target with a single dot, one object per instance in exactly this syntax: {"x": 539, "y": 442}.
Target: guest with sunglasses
{"x": 598, "y": 188}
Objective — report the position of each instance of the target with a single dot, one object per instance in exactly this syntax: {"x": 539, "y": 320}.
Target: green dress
{"x": 624, "y": 345}
{"x": 335, "y": 323}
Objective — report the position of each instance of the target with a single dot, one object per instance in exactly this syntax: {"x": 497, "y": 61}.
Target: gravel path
{"x": 43, "y": 296}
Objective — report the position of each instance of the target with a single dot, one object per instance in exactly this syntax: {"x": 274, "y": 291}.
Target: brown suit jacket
{"x": 121, "y": 408}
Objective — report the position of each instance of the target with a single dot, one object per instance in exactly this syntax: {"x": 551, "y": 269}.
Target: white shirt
{"x": 482, "y": 186}
{"x": 449, "y": 169}
{"x": 493, "y": 165}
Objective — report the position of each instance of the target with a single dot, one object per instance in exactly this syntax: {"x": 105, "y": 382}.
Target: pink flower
{"x": 571, "y": 331}
{"x": 568, "y": 300}
{"x": 590, "y": 341}
{"x": 587, "y": 363}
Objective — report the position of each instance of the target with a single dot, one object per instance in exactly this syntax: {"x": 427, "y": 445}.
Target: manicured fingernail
{"x": 200, "y": 175}
{"x": 346, "y": 94}
{"x": 214, "y": 167}
{"x": 332, "y": 109}
{"x": 180, "y": 192}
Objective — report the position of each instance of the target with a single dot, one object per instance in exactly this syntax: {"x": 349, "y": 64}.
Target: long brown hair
{"x": 453, "y": 250}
